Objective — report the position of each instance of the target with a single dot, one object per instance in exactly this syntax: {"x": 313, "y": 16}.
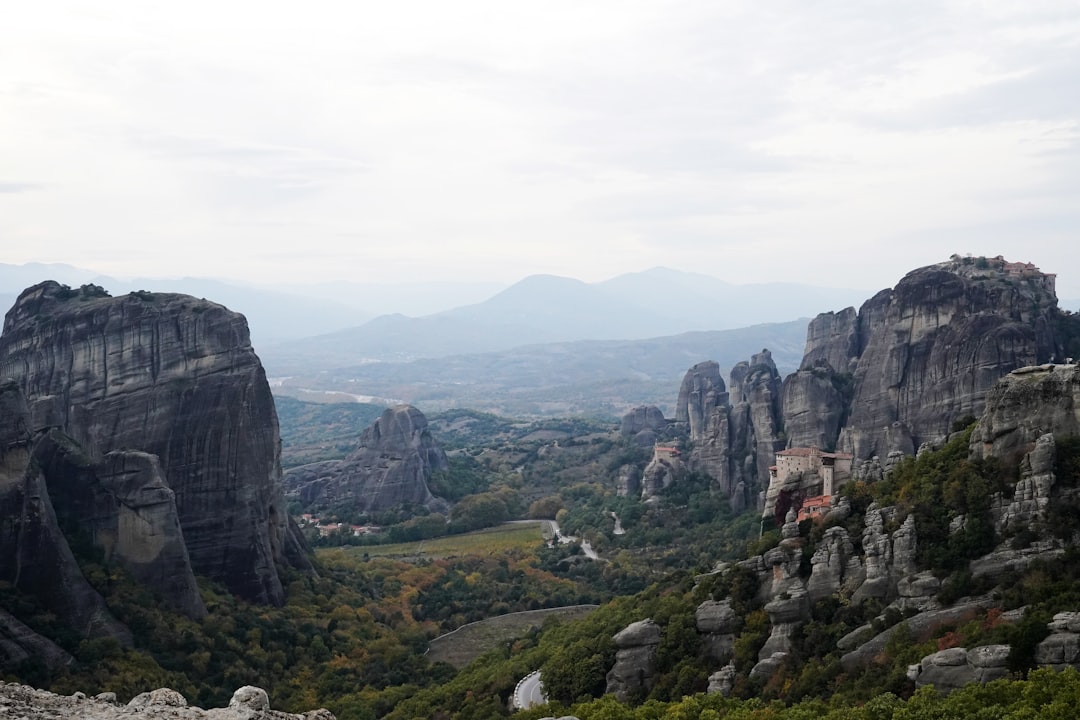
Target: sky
{"x": 828, "y": 143}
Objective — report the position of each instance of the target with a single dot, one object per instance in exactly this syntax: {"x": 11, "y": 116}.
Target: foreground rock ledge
{"x": 248, "y": 703}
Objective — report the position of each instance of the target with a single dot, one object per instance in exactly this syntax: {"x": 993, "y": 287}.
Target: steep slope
{"x": 177, "y": 378}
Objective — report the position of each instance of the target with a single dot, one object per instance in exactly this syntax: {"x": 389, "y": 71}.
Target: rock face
{"x": 1062, "y": 648}
{"x": 951, "y": 669}
{"x": 628, "y": 481}
{"x": 663, "y": 470}
{"x": 36, "y": 558}
{"x": 635, "y": 660}
{"x": 931, "y": 349}
{"x": 733, "y": 435}
{"x": 391, "y": 468}
{"x": 19, "y": 643}
{"x": 247, "y": 703}
{"x": 832, "y": 340}
{"x": 1031, "y": 496}
{"x": 718, "y": 623}
{"x": 1025, "y": 405}
{"x": 174, "y": 377}
{"x": 128, "y": 509}
{"x": 642, "y": 424}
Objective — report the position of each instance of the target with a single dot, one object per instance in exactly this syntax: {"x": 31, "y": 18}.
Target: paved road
{"x": 529, "y": 692}
{"x": 586, "y": 547}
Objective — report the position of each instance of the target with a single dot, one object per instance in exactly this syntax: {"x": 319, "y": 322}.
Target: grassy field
{"x": 489, "y": 541}
{"x": 468, "y": 642}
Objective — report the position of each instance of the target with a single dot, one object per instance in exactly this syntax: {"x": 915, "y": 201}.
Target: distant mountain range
{"x": 585, "y": 377}
{"x": 549, "y": 309}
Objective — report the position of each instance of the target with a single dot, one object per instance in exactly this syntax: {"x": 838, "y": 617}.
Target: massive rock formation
{"x": 36, "y": 557}
{"x": 173, "y": 377}
{"x": 390, "y": 469}
{"x": 1026, "y": 405}
{"x": 917, "y": 358}
{"x": 643, "y": 423}
{"x": 124, "y": 505}
{"x": 733, "y": 435}
{"x": 933, "y": 347}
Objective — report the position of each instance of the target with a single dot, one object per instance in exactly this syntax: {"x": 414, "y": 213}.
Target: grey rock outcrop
{"x": 248, "y": 703}
{"x": 934, "y": 346}
{"x": 171, "y": 376}
{"x": 723, "y": 680}
{"x": 124, "y": 503}
{"x": 643, "y": 423}
{"x": 390, "y": 469}
{"x": 635, "y": 660}
{"x": 952, "y": 669}
{"x": 717, "y": 622}
{"x": 18, "y": 643}
{"x": 834, "y": 566}
{"x": 815, "y": 403}
{"x": 37, "y": 559}
{"x": 887, "y": 557}
{"x": 921, "y": 626}
{"x": 704, "y": 406}
{"x": 1061, "y": 648}
{"x": 832, "y": 340}
{"x": 628, "y": 481}
{"x": 1031, "y": 496}
{"x": 661, "y": 472}
{"x": 733, "y": 435}
{"x": 1024, "y": 406}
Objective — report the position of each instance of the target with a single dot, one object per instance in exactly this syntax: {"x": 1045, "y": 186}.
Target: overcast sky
{"x": 833, "y": 143}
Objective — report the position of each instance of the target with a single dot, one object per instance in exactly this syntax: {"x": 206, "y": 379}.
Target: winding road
{"x": 529, "y": 691}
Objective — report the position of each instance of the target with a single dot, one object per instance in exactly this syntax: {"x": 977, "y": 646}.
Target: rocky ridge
{"x": 247, "y": 703}
{"x": 1029, "y": 411}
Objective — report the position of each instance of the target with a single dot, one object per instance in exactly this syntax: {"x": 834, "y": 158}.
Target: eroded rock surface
{"x": 1026, "y": 405}
{"x": 36, "y": 557}
{"x": 952, "y": 669}
{"x": 635, "y": 660}
{"x": 733, "y": 435}
{"x": 934, "y": 346}
{"x": 171, "y": 376}
{"x": 391, "y": 468}
{"x": 248, "y": 703}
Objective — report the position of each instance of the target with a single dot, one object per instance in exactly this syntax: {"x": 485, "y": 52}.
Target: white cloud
{"x": 485, "y": 139}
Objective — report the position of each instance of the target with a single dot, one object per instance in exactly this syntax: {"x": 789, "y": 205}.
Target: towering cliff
{"x": 173, "y": 377}
{"x": 391, "y": 468}
{"x": 735, "y": 434}
{"x": 36, "y": 557}
{"x": 917, "y": 358}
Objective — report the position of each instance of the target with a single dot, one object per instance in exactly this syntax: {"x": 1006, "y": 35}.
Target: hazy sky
{"x": 837, "y": 143}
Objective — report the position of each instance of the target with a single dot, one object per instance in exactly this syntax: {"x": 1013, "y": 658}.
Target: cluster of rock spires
{"x": 1025, "y": 411}
{"x": 876, "y": 383}
{"x": 962, "y": 338}
{"x": 247, "y": 703}
{"x": 144, "y": 425}
{"x": 391, "y": 468}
